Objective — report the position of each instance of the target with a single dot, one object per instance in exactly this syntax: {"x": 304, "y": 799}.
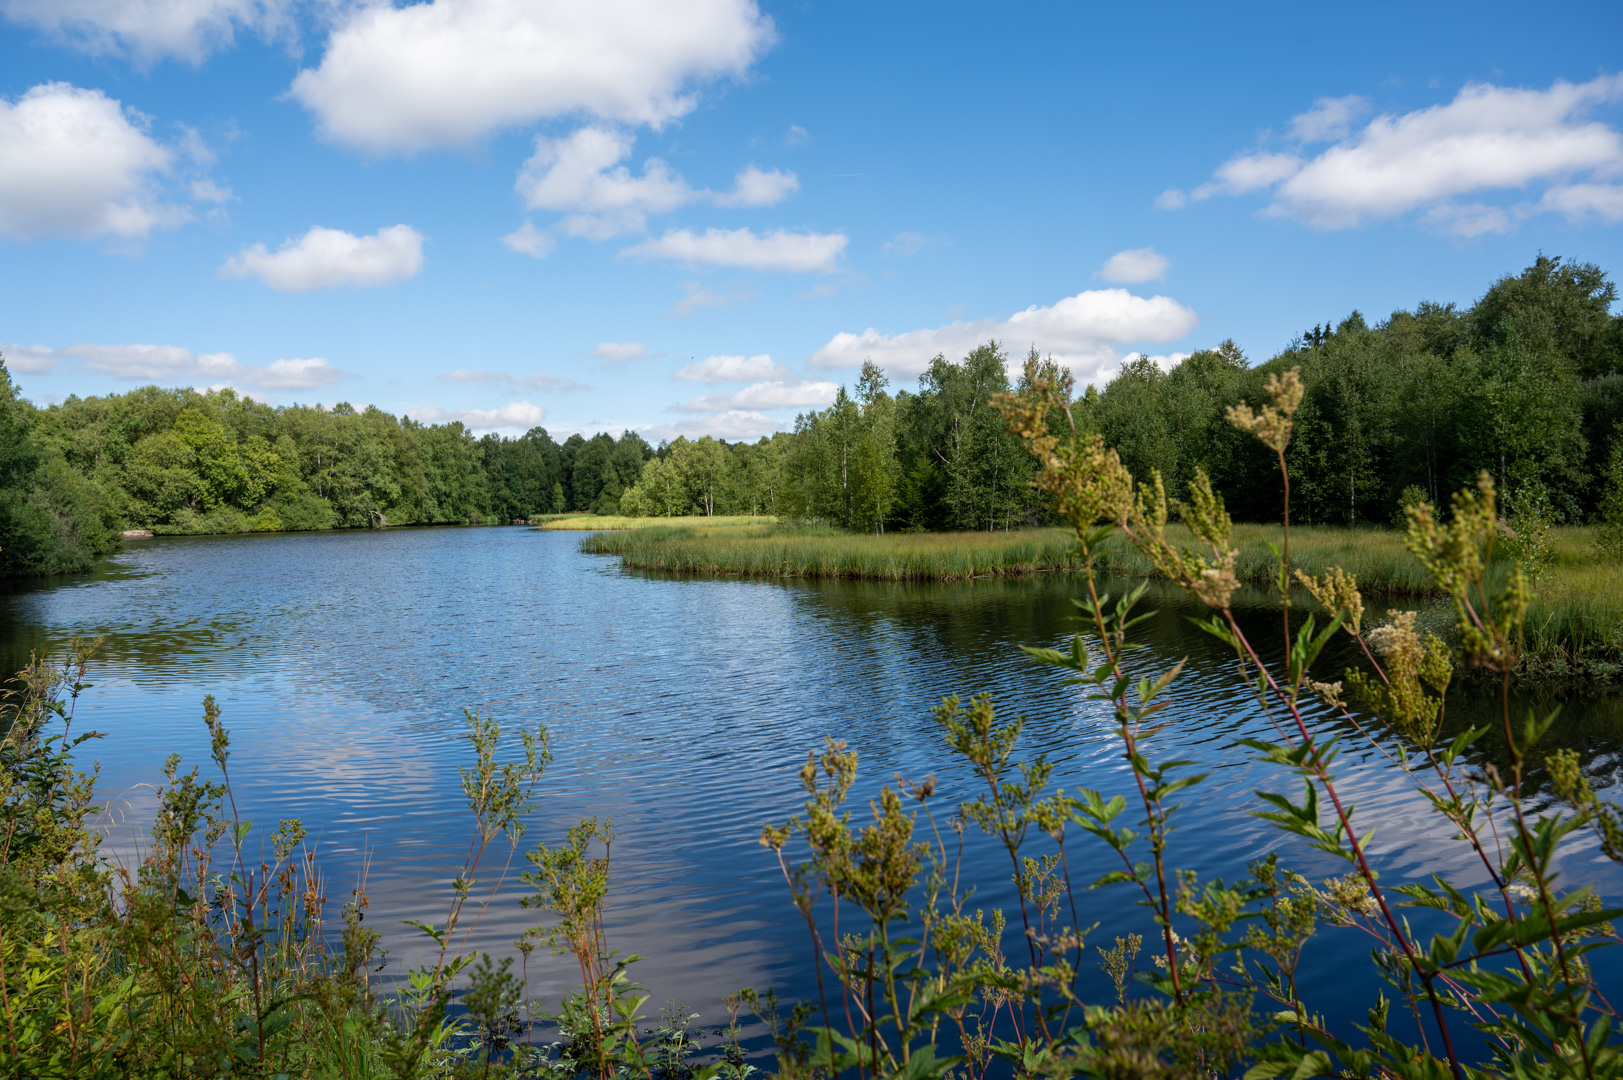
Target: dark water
{"x": 680, "y": 708}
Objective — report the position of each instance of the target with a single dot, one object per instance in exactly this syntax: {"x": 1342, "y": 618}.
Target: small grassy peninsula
{"x": 1574, "y": 626}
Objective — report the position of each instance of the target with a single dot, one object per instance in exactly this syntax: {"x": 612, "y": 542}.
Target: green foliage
{"x": 52, "y": 518}
{"x": 1610, "y": 510}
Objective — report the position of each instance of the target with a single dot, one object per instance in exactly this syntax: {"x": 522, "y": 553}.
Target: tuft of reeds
{"x": 616, "y": 522}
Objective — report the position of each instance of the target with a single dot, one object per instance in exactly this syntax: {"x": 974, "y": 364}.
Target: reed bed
{"x": 768, "y": 550}
{"x": 599, "y": 522}
{"x": 1574, "y": 628}
{"x": 758, "y": 548}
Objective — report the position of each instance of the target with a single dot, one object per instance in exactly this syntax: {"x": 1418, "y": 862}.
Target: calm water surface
{"x": 681, "y": 708}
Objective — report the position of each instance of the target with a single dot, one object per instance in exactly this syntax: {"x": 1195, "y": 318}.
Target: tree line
{"x": 1527, "y": 383}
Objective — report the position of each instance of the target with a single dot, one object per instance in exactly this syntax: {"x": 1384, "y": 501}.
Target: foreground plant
{"x": 1512, "y": 962}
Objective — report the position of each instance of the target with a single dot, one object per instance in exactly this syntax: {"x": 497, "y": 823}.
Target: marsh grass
{"x": 599, "y": 522}
{"x": 1574, "y": 627}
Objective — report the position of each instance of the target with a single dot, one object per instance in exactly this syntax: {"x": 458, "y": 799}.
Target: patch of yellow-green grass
{"x": 779, "y": 551}
{"x": 601, "y": 522}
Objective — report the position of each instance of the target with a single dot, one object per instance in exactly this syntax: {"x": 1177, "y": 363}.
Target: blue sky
{"x": 697, "y": 218}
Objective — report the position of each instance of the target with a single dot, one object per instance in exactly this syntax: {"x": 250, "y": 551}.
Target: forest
{"x": 1527, "y": 383}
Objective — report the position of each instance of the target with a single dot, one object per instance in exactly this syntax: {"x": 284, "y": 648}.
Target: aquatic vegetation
{"x": 1574, "y": 627}
{"x": 618, "y": 522}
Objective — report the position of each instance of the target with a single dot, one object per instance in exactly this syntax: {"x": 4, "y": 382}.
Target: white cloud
{"x": 714, "y": 369}
{"x": 579, "y": 174}
{"x": 171, "y": 363}
{"x": 582, "y": 175}
{"x": 904, "y": 244}
{"x": 1470, "y": 220}
{"x": 1578, "y": 201}
{"x": 759, "y": 187}
{"x": 778, "y": 394}
{"x": 616, "y": 353}
{"x": 1135, "y": 265}
{"x": 293, "y": 374}
{"x": 28, "y": 359}
{"x": 698, "y": 297}
{"x": 796, "y": 136}
{"x": 74, "y": 162}
{"x": 1171, "y": 199}
{"x": 733, "y": 424}
{"x": 448, "y": 72}
{"x": 1249, "y": 172}
{"x": 1079, "y": 331}
{"x": 516, "y": 417}
{"x": 325, "y": 258}
{"x": 528, "y": 382}
{"x": 149, "y": 29}
{"x": 1488, "y": 139}
{"x": 528, "y": 240}
{"x": 210, "y": 192}
{"x": 795, "y": 252}
{"x": 1329, "y": 119}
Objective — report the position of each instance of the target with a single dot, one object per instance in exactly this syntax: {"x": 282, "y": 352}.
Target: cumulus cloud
{"x": 324, "y": 258}
{"x": 1080, "y": 331}
{"x": 760, "y": 187}
{"x": 515, "y": 417}
{"x": 777, "y": 394}
{"x": 1444, "y": 162}
{"x": 528, "y": 240}
{"x": 714, "y": 369}
{"x": 74, "y": 162}
{"x": 171, "y": 363}
{"x": 448, "y": 72}
{"x": 617, "y": 353}
{"x": 1249, "y": 172}
{"x": 731, "y": 425}
{"x": 149, "y": 29}
{"x": 1135, "y": 265}
{"x": 527, "y": 382}
{"x": 293, "y": 374}
{"x": 794, "y": 252}
{"x": 582, "y": 175}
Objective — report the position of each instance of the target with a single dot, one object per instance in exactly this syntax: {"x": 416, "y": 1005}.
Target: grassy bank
{"x": 598, "y": 522}
{"x": 1574, "y": 628}
{"x": 761, "y": 548}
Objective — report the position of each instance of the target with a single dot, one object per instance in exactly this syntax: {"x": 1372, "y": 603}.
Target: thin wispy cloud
{"x": 545, "y": 383}
{"x": 171, "y": 364}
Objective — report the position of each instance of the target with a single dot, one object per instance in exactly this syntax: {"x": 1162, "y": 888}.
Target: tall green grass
{"x": 1574, "y": 628}
{"x": 770, "y": 550}
{"x": 597, "y": 522}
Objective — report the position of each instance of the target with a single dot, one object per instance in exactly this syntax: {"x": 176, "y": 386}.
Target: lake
{"x": 682, "y": 709}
